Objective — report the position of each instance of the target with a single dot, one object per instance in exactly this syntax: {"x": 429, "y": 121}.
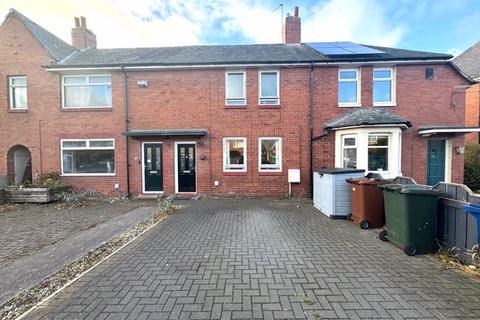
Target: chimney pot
{"x": 295, "y": 12}
{"x": 82, "y": 37}
{"x": 292, "y": 28}
{"x": 83, "y": 22}
{"x": 77, "y": 22}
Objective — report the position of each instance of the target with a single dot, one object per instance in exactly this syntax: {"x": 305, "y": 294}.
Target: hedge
{"x": 472, "y": 166}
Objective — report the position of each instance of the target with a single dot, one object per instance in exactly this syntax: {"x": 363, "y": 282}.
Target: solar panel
{"x": 342, "y": 48}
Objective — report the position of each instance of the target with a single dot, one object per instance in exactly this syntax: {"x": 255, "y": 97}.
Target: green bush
{"x": 472, "y": 166}
{"x": 50, "y": 180}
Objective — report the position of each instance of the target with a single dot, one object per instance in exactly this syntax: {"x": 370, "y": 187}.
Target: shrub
{"x": 472, "y": 166}
{"x": 50, "y": 180}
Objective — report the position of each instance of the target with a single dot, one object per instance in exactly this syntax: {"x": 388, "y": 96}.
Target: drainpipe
{"x": 311, "y": 128}
{"x": 127, "y": 147}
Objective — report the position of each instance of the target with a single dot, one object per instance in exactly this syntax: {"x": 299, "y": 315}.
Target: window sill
{"x": 236, "y": 107}
{"x": 17, "y": 110}
{"x": 100, "y": 109}
{"x": 349, "y": 105}
{"x": 89, "y": 175}
{"x": 392, "y": 104}
{"x": 269, "y": 106}
{"x": 270, "y": 173}
{"x": 233, "y": 173}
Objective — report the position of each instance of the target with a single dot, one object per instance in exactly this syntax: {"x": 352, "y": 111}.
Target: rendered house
{"x": 228, "y": 120}
{"x": 469, "y": 63}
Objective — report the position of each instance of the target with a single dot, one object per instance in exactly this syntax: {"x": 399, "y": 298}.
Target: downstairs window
{"x": 88, "y": 157}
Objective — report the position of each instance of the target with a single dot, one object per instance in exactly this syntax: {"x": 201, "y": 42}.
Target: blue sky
{"x": 430, "y": 25}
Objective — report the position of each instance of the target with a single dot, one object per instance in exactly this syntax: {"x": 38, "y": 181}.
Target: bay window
{"x": 378, "y": 152}
{"x": 383, "y": 86}
{"x": 269, "y": 88}
{"x": 348, "y": 87}
{"x": 88, "y": 156}
{"x": 91, "y": 91}
{"x": 234, "y": 154}
{"x": 349, "y": 151}
{"x": 235, "y": 88}
{"x": 17, "y": 89}
{"x": 270, "y": 154}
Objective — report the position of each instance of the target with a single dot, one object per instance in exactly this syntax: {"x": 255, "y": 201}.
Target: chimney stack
{"x": 292, "y": 28}
{"x": 82, "y": 37}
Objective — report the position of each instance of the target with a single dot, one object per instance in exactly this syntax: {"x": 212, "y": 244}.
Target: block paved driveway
{"x": 265, "y": 259}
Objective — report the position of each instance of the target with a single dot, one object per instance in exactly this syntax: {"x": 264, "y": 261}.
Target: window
{"x": 235, "y": 154}
{"x": 18, "y": 92}
{"x": 378, "y": 152}
{"x": 349, "y": 151}
{"x": 383, "y": 88}
{"x": 269, "y": 88}
{"x": 429, "y": 73}
{"x": 235, "y": 88}
{"x": 270, "y": 154}
{"x": 348, "y": 88}
{"x": 88, "y": 157}
{"x": 87, "y": 91}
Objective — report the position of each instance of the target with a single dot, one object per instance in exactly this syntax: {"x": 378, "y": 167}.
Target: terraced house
{"x": 229, "y": 120}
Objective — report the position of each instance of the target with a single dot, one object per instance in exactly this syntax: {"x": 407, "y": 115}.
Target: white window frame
{"x": 226, "y": 155}
{"x": 392, "y": 80}
{"x": 394, "y": 148}
{"x": 270, "y": 167}
{"x": 242, "y": 99}
{"x": 87, "y": 83}
{"x": 380, "y": 134}
{"x": 265, "y": 100}
{"x": 357, "y": 80}
{"x": 11, "y": 88}
{"x": 87, "y": 147}
{"x": 349, "y": 136}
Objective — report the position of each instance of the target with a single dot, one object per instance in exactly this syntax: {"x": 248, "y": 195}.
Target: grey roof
{"x": 469, "y": 62}
{"x": 56, "y": 47}
{"x": 165, "y": 132}
{"x": 367, "y": 117}
{"x": 229, "y": 54}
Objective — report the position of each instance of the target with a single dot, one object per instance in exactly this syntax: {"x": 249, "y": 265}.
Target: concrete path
{"x": 29, "y": 270}
{"x": 264, "y": 259}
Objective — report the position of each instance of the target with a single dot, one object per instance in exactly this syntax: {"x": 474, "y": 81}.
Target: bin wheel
{"x": 410, "y": 249}
{"x": 383, "y": 235}
{"x": 364, "y": 224}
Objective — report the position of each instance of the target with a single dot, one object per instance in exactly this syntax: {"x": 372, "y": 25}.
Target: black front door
{"x": 186, "y": 167}
{"x": 153, "y": 168}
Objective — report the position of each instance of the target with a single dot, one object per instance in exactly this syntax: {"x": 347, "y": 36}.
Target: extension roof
{"x": 469, "y": 62}
{"x": 367, "y": 117}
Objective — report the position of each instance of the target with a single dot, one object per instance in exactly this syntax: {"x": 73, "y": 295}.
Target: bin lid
{"x": 367, "y": 181}
{"x": 410, "y": 189}
{"x": 340, "y": 171}
{"x": 472, "y": 209}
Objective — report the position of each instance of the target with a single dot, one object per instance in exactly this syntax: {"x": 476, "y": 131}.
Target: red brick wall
{"x": 472, "y": 113}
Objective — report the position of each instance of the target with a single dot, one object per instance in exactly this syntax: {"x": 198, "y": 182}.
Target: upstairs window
{"x": 235, "y": 88}
{"x": 93, "y": 91}
{"x": 234, "y": 154}
{"x": 88, "y": 157}
{"x": 269, "y": 88}
{"x": 17, "y": 88}
{"x": 270, "y": 154}
{"x": 378, "y": 152}
{"x": 383, "y": 86}
{"x": 348, "y": 88}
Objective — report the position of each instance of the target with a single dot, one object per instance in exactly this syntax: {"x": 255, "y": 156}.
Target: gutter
{"x": 127, "y": 147}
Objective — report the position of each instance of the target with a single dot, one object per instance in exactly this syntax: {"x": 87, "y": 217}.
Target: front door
{"x": 153, "y": 167}
{"x": 435, "y": 161}
{"x": 186, "y": 175}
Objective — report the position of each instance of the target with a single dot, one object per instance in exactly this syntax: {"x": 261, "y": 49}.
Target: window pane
{"x": 88, "y": 161}
{"x": 101, "y": 144}
{"x": 374, "y": 140}
{"x": 349, "y": 142}
{"x": 269, "y": 84}
{"x": 85, "y": 96}
{"x": 100, "y": 79}
{"x": 19, "y": 81}
{"x": 348, "y": 75}
{"x": 347, "y": 92}
{"x": 382, "y": 91}
{"x": 236, "y": 151}
{"x": 350, "y": 158}
{"x": 19, "y": 97}
{"x": 378, "y": 159}
{"x": 235, "y": 85}
{"x": 382, "y": 73}
{"x": 74, "y": 80}
{"x": 74, "y": 144}
{"x": 269, "y": 152}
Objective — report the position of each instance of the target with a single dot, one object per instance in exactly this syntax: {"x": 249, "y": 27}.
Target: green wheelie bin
{"x": 410, "y": 217}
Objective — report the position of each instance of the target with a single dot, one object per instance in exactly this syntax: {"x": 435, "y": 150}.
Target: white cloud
{"x": 127, "y": 23}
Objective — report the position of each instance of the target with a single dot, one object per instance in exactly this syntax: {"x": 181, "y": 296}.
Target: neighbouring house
{"x": 469, "y": 63}
{"x": 227, "y": 120}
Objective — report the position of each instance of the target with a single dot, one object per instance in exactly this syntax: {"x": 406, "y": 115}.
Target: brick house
{"x": 469, "y": 63}
{"x": 228, "y": 120}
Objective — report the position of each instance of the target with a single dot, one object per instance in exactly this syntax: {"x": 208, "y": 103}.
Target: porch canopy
{"x": 449, "y": 130}
{"x": 139, "y": 133}
{"x": 367, "y": 117}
